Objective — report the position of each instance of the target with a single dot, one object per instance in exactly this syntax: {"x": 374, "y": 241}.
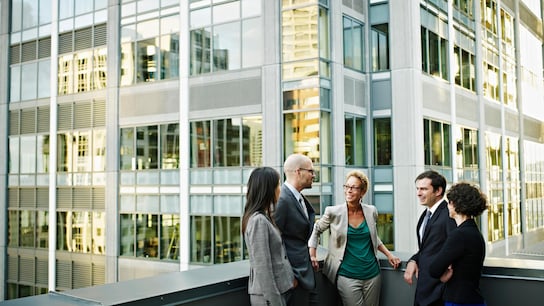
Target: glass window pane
{"x": 170, "y": 146}
{"x": 299, "y": 35}
{"x": 147, "y": 239}
{"x": 99, "y": 79}
{"x": 226, "y": 47}
{"x": 44, "y": 79}
{"x": 13, "y": 228}
{"x": 127, "y": 234}
{"x": 26, "y": 228}
{"x": 148, "y": 29}
{"x": 15, "y": 83}
{"x": 201, "y": 17}
{"x": 83, "y": 158}
{"x": 252, "y": 42}
{"x": 65, "y": 152}
{"x": 28, "y": 154}
{"x": 147, "y": 147}
{"x": 201, "y": 239}
{"x": 83, "y": 6}
{"x": 226, "y": 12}
{"x": 325, "y": 139}
{"x": 307, "y": 98}
{"x": 66, "y": 8}
{"x": 147, "y": 5}
{"x": 200, "y": 144}
{"x": 358, "y": 49}
{"x": 382, "y": 138}
{"x": 170, "y": 25}
{"x": 42, "y": 160}
{"x": 170, "y": 237}
{"x": 14, "y": 154}
{"x": 148, "y": 58}
{"x": 62, "y": 224}
{"x": 324, "y": 45}
{"x": 200, "y": 51}
{"x": 301, "y": 69}
{"x": 42, "y": 229}
{"x": 252, "y": 141}
{"x": 127, "y": 160}
{"x": 349, "y": 141}
{"x": 301, "y": 134}
{"x": 81, "y": 240}
{"x": 99, "y": 233}
{"x": 99, "y": 150}
{"x": 348, "y": 42}
{"x": 128, "y": 65}
{"x": 226, "y": 142}
{"x": 16, "y": 15}
{"x": 251, "y": 8}
{"x": 29, "y": 73}
{"x": 66, "y": 74}
{"x": 30, "y": 13}
{"x": 227, "y": 239}
{"x": 169, "y": 56}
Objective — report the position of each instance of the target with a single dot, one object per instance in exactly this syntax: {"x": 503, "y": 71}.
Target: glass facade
{"x": 166, "y": 143}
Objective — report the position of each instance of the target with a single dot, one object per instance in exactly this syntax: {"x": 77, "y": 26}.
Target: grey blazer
{"x": 295, "y": 231}
{"x": 270, "y": 273}
{"x": 335, "y": 218}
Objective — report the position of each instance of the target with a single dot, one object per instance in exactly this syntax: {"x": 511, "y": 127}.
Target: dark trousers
{"x": 302, "y": 297}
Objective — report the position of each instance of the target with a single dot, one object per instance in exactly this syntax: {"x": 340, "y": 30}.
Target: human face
{"x": 425, "y": 193}
{"x": 353, "y": 190}
{"x": 306, "y": 175}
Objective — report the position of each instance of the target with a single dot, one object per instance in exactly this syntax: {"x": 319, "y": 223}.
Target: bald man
{"x": 294, "y": 217}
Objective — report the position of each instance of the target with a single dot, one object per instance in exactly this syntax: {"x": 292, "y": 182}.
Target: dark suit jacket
{"x": 429, "y": 289}
{"x": 465, "y": 251}
{"x": 295, "y": 231}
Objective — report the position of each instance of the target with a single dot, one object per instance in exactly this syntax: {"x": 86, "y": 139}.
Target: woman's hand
{"x": 394, "y": 261}
{"x": 313, "y": 258}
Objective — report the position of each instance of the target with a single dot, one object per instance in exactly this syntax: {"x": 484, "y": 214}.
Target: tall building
{"x": 131, "y": 127}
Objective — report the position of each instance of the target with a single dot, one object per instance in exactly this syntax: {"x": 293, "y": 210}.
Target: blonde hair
{"x": 362, "y": 177}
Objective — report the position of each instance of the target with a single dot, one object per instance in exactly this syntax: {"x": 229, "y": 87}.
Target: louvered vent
{"x": 65, "y": 117}
{"x": 99, "y": 114}
{"x": 64, "y": 274}
{"x": 28, "y": 121}
{"x": 83, "y": 39}
{"x": 44, "y": 47}
{"x": 29, "y": 51}
{"x": 99, "y": 275}
{"x": 13, "y": 268}
{"x": 26, "y": 270}
{"x": 27, "y": 198}
{"x": 99, "y": 198}
{"x": 65, "y": 43}
{"x": 82, "y": 275}
{"x": 100, "y": 35}
{"x": 15, "y": 54}
{"x": 14, "y": 122}
{"x": 43, "y": 119}
{"x": 42, "y": 198}
{"x": 42, "y": 272}
{"x": 82, "y": 198}
{"x": 64, "y": 198}
{"x": 82, "y": 115}
{"x": 13, "y": 197}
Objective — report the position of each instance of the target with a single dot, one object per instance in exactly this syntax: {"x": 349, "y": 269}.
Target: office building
{"x": 131, "y": 127}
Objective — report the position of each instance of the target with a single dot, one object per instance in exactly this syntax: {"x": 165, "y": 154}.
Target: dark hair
{"x": 437, "y": 180}
{"x": 467, "y": 199}
{"x": 261, "y": 193}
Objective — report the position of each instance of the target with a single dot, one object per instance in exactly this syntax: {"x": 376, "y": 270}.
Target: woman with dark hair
{"x": 459, "y": 263}
{"x": 271, "y": 276}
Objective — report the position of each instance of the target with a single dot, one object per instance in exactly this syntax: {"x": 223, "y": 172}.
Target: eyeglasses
{"x": 350, "y": 188}
{"x": 309, "y": 170}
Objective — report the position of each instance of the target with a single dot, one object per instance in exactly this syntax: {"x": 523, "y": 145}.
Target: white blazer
{"x": 335, "y": 218}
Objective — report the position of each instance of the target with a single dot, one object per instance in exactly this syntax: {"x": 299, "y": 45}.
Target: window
{"x": 232, "y": 142}
{"x": 466, "y": 142}
{"x": 353, "y": 44}
{"x": 382, "y": 142}
{"x": 231, "y": 40}
{"x": 495, "y": 191}
{"x": 465, "y": 73}
{"x": 355, "y": 141}
{"x": 436, "y": 143}
{"x": 434, "y": 54}
{"x": 465, "y": 7}
{"x": 380, "y": 47}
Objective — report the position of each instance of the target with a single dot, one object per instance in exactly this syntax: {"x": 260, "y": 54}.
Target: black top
{"x": 465, "y": 251}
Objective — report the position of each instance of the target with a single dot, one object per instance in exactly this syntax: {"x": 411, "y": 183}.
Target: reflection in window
{"x": 435, "y": 56}
{"x": 28, "y": 154}
{"x": 436, "y": 143}
{"x": 148, "y": 57}
{"x": 353, "y": 44}
{"x": 226, "y": 142}
{"x": 170, "y": 146}
{"x": 127, "y": 236}
{"x": 147, "y": 235}
{"x": 382, "y": 142}
{"x": 534, "y": 183}
{"x": 147, "y": 147}
{"x": 379, "y": 37}
{"x": 513, "y": 186}
{"x": 27, "y": 222}
{"x": 201, "y": 239}
{"x": 465, "y": 73}
{"x": 252, "y": 141}
{"x": 354, "y": 140}
{"x": 466, "y": 143}
{"x": 42, "y": 229}
{"x": 491, "y": 81}
{"x": 228, "y": 237}
{"x": 200, "y": 144}
{"x": 226, "y": 46}
{"x": 169, "y": 237}
{"x": 301, "y": 134}
{"x": 75, "y": 232}
{"x": 495, "y": 190}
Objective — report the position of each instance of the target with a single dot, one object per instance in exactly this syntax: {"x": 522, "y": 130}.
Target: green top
{"x": 359, "y": 259}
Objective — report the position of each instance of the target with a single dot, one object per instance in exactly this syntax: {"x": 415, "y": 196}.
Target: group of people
{"x": 282, "y": 237}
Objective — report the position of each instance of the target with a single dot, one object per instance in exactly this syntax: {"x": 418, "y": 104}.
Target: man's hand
{"x": 411, "y": 270}
{"x": 447, "y": 275}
